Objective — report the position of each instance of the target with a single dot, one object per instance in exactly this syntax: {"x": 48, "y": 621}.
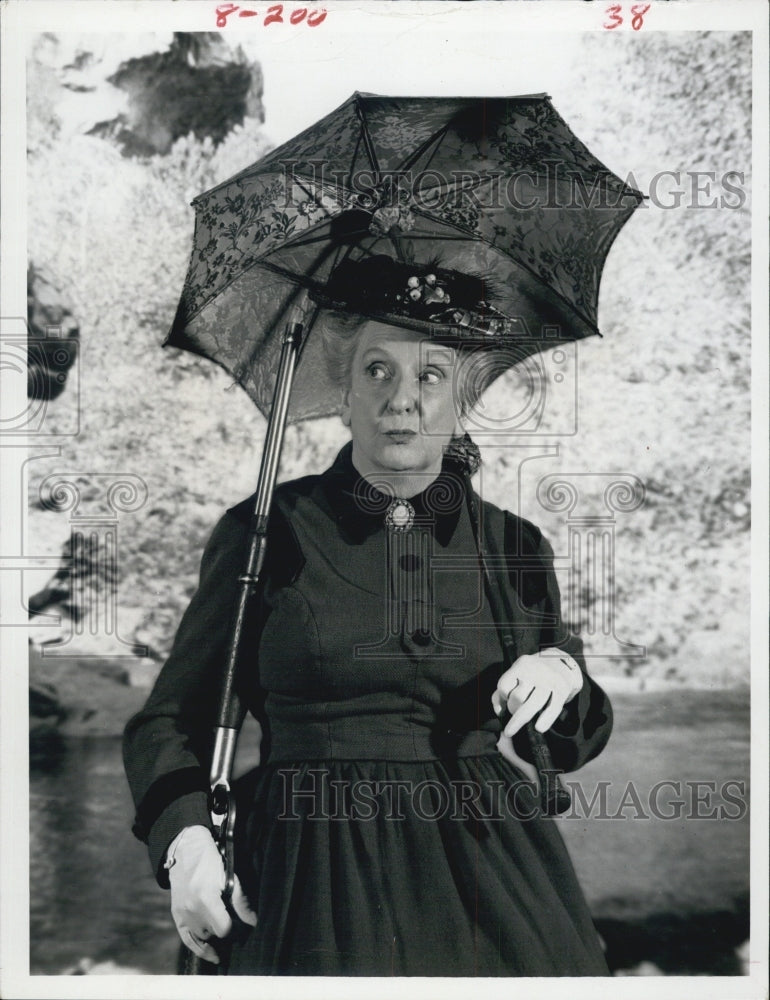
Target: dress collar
{"x": 360, "y": 508}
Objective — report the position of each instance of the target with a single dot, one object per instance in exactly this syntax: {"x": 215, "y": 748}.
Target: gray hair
{"x": 339, "y": 336}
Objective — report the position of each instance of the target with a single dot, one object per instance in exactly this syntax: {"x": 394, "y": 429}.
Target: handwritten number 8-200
{"x": 274, "y": 14}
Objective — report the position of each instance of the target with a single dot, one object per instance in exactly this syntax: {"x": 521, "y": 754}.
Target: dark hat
{"x": 445, "y": 304}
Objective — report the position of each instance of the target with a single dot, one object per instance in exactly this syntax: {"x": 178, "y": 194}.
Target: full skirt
{"x": 390, "y": 868}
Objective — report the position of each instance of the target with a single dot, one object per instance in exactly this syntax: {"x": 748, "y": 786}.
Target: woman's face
{"x": 400, "y": 406}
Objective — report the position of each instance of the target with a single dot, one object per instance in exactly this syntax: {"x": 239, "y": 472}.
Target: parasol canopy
{"x": 496, "y": 188}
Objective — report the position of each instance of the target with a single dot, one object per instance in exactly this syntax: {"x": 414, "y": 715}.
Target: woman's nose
{"x": 403, "y": 396}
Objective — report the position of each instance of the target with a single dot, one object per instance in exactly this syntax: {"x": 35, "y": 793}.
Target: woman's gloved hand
{"x": 197, "y": 877}
{"x": 543, "y": 682}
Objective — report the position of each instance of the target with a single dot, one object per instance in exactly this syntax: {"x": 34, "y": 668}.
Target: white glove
{"x": 197, "y": 877}
{"x": 543, "y": 682}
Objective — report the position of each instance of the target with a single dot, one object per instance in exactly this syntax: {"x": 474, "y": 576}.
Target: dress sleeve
{"x": 167, "y": 745}
{"x": 582, "y": 730}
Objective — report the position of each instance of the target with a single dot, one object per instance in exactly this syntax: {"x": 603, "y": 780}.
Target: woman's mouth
{"x": 400, "y": 436}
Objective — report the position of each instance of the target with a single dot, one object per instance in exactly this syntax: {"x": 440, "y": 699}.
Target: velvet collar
{"x": 360, "y": 508}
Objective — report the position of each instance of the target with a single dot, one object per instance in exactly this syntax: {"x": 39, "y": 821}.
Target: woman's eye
{"x": 431, "y": 377}
{"x": 377, "y": 371}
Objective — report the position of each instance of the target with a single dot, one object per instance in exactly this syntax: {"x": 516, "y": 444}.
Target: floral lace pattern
{"x": 500, "y": 181}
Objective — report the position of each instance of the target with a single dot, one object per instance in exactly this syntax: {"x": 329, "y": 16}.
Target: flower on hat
{"x": 402, "y": 292}
{"x": 427, "y": 290}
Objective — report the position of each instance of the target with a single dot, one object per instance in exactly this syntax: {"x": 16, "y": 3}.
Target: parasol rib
{"x": 367, "y": 139}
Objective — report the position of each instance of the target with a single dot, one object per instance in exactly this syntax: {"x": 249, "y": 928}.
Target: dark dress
{"x": 385, "y": 833}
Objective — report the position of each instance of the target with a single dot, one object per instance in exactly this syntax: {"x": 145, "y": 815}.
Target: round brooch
{"x": 400, "y": 515}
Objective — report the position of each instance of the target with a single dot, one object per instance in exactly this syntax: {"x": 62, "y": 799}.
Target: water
{"x": 92, "y": 894}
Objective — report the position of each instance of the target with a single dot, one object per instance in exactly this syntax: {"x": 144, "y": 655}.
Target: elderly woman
{"x": 384, "y": 831}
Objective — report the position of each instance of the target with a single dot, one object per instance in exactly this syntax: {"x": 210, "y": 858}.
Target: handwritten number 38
{"x": 614, "y": 12}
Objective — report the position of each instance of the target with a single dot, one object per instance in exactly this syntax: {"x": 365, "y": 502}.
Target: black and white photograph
{"x": 380, "y": 434}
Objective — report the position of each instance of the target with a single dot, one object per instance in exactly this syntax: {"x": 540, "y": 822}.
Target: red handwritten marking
{"x": 638, "y": 10}
{"x": 613, "y": 11}
{"x": 223, "y": 12}
{"x": 273, "y": 15}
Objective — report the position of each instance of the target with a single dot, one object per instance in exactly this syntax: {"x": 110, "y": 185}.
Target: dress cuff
{"x": 188, "y": 810}
{"x": 567, "y": 725}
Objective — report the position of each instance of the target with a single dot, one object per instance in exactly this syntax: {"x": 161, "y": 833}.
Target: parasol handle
{"x": 231, "y": 712}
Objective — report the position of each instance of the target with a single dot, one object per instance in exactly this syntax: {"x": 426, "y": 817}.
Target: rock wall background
{"x": 123, "y": 132}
